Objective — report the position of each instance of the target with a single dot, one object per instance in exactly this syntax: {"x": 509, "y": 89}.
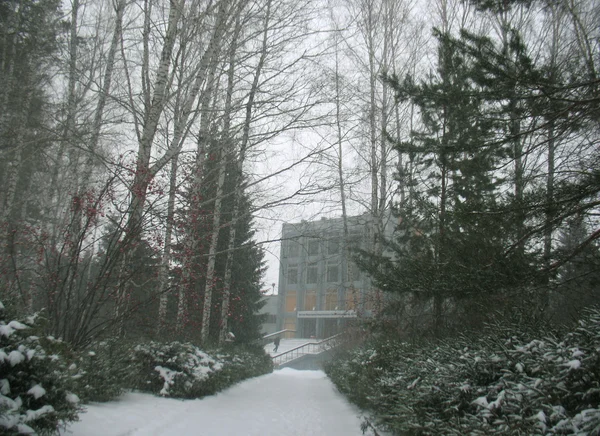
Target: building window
{"x": 333, "y": 246}
{"x": 312, "y": 273}
{"x": 270, "y": 318}
{"x": 310, "y": 300}
{"x": 352, "y": 299}
{"x": 313, "y": 247}
{"x": 353, "y": 272}
{"x": 293, "y": 248}
{"x": 331, "y": 299}
{"x": 290, "y": 302}
{"x": 292, "y": 274}
{"x": 333, "y": 272}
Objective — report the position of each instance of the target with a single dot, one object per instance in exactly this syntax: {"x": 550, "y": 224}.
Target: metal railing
{"x": 271, "y": 336}
{"x": 308, "y": 348}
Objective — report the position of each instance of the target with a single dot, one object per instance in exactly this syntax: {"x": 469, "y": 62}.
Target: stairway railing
{"x": 301, "y": 350}
{"x": 269, "y": 338}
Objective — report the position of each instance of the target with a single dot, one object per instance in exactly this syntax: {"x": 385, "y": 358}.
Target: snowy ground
{"x": 286, "y": 402}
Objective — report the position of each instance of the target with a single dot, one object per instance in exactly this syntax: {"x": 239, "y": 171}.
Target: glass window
{"x": 331, "y": 299}
{"x": 312, "y": 273}
{"x": 290, "y": 302}
{"x": 333, "y": 246}
{"x": 353, "y": 272}
{"x": 292, "y": 274}
{"x": 293, "y": 248}
{"x": 313, "y": 247}
{"x": 333, "y": 272}
{"x": 352, "y": 298}
{"x": 310, "y": 300}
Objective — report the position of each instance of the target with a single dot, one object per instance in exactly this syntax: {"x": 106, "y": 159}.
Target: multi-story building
{"x": 320, "y": 288}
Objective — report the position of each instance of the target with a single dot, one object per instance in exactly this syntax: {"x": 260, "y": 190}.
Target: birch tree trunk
{"x": 210, "y": 63}
{"x": 238, "y": 182}
{"x": 163, "y": 277}
{"x": 142, "y": 175}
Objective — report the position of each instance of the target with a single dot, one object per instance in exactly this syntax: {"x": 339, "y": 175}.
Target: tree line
{"x": 134, "y": 138}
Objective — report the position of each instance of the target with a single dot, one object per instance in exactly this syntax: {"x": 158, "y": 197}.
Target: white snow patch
{"x": 72, "y": 398}
{"x": 32, "y": 415}
{"x": 414, "y": 383}
{"x": 6, "y": 330}
{"x": 17, "y": 325}
{"x": 15, "y": 357}
{"x": 168, "y": 375}
{"x": 9, "y": 420}
{"x": 37, "y": 391}
{"x": 497, "y": 403}
{"x": 25, "y": 429}
{"x": 481, "y": 402}
{"x": 4, "y": 386}
{"x": 573, "y": 364}
{"x": 577, "y": 353}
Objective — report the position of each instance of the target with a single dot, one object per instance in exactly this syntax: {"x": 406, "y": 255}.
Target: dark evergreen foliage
{"x": 509, "y": 380}
{"x": 248, "y": 265}
{"x": 34, "y": 379}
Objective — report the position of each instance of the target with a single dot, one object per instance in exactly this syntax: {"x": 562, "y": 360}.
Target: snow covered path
{"x": 284, "y": 403}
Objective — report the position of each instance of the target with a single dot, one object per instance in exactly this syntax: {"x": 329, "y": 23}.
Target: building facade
{"x": 320, "y": 289}
{"x": 269, "y": 324}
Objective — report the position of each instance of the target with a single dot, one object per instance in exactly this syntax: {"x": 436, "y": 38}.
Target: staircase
{"x": 292, "y": 351}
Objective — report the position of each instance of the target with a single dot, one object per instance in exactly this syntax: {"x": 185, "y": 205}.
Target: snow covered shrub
{"x": 101, "y": 370}
{"x": 173, "y": 369}
{"x": 182, "y": 370}
{"x": 240, "y": 363}
{"x": 33, "y": 379}
{"x": 496, "y": 384}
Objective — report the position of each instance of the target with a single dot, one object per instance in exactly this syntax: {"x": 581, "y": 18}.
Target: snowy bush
{"x": 99, "y": 372}
{"x": 33, "y": 380}
{"x": 183, "y": 370}
{"x": 497, "y": 384}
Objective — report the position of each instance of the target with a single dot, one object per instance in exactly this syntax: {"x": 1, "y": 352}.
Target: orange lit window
{"x": 290, "y": 301}
{"x": 352, "y": 298}
{"x": 310, "y": 300}
{"x": 331, "y": 299}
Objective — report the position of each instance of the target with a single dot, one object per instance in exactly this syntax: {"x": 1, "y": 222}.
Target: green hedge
{"x": 501, "y": 383}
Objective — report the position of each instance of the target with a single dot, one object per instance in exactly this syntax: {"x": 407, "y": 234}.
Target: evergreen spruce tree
{"x": 248, "y": 265}
{"x": 452, "y": 237}
{"x": 29, "y": 31}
